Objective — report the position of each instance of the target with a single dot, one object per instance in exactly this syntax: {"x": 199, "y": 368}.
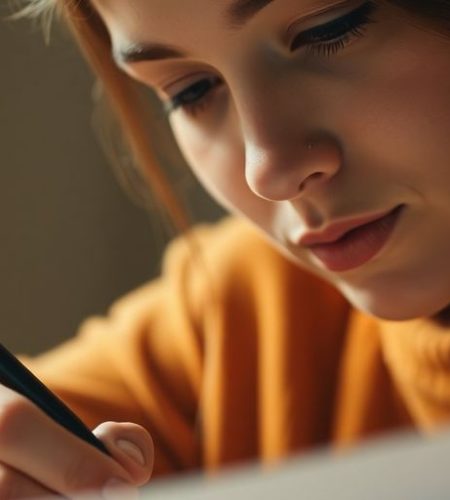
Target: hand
{"x": 38, "y": 457}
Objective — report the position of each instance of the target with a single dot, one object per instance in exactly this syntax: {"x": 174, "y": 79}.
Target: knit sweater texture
{"x": 236, "y": 354}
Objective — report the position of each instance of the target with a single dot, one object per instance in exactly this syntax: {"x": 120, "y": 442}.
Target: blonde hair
{"x": 126, "y": 102}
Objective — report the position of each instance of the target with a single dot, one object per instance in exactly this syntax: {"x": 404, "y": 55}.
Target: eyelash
{"x": 325, "y": 40}
{"x": 328, "y": 39}
{"x": 196, "y": 104}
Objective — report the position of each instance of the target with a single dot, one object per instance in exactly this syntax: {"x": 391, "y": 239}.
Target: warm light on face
{"x": 316, "y": 120}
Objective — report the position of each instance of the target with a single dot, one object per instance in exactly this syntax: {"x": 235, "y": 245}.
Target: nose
{"x": 290, "y": 168}
{"x": 286, "y": 156}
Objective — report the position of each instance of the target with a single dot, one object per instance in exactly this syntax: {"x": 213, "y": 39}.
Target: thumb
{"x": 131, "y": 446}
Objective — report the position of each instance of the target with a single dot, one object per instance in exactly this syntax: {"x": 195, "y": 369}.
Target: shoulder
{"x": 206, "y": 250}
{"x": 231, "y": 249}
{"x": 233, "y": 262}
{"x": 229, "y": 243}
{"x": 236, "y": 260}
{"x": 225, "y": 239}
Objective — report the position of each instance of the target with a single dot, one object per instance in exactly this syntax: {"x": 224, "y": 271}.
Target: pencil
{"x": 16, "y": 376}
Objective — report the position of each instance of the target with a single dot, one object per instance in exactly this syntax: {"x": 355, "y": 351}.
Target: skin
{"x": 29, "y": 467}
{"x": 377, "y": 113}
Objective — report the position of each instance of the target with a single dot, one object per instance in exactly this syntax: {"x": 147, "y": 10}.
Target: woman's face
{"x": 324, "y": 122}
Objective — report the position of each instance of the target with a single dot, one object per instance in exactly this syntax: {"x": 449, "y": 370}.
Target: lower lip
{"x": 357, "y": 246}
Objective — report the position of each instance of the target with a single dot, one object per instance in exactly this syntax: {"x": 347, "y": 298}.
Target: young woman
{"x": 318, "y": 313}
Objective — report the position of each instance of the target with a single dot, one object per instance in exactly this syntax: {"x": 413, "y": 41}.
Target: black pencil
{"x": 16, "y": 376}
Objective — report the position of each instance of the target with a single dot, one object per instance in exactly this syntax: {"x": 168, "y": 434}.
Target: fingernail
{"x": 116, "y": 489}
{"x": 132, "y": 450}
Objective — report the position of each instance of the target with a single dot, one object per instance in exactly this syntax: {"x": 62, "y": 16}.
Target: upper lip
{"x": 337, "y": 230}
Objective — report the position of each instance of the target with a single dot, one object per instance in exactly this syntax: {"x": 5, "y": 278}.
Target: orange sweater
{"x": 240, "y": 355}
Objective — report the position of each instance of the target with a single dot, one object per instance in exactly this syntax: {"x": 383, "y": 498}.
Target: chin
{"x": 396, "y": 306}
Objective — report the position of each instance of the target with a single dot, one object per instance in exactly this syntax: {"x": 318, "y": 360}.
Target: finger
{"x": 132, "y": 446}
{"x": 14, "y": 485}
{"x": 38, "y": 447}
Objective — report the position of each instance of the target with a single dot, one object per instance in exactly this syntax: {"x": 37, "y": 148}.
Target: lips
{"x": 349, "y": 244}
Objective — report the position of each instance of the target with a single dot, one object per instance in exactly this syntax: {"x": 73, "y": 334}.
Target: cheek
{"x": 216, "y": 157}
{"x": 423, "y": 139}
{"x": 401, "y": 117}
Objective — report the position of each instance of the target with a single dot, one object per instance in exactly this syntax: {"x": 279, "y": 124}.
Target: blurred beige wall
{"x": 71, "y": 241}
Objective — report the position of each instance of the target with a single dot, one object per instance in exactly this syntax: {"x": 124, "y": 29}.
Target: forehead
{"x": 169, "y": 21}
{"x": 165, "y": 22}
{"x": 234, "y": 12}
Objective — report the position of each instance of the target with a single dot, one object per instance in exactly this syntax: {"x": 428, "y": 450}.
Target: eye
{"x": 193, "y": 98}
{"x": 327, "y": 39}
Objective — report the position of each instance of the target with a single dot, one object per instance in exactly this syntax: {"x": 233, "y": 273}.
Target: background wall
{"x": 71, "y": 241}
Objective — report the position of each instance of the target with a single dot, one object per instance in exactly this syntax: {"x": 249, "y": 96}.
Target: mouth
{"x": 347, "y": 245}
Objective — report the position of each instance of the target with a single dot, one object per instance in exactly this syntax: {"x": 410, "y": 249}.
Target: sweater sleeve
{"x": 140, "y": 363}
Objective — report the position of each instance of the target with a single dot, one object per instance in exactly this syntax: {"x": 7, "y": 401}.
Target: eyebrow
{"x": 241, "y": 11}
{"x": 236, "y": 16}
{"x": 138, "y": 52}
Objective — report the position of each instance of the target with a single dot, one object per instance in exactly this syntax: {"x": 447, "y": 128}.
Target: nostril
{"x": 311, "y": 178}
